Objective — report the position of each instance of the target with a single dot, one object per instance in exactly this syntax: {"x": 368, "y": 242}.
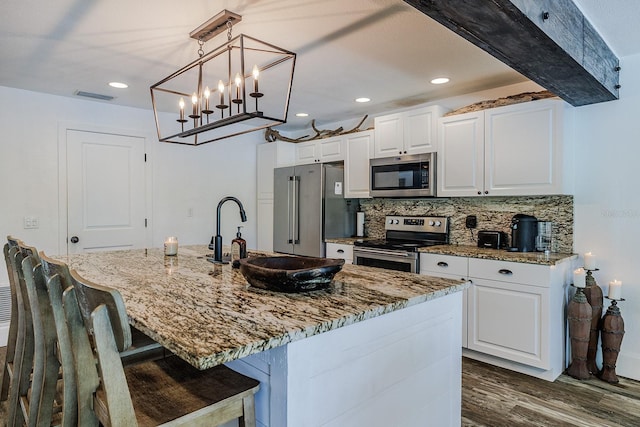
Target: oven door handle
{"x": 383, "y": 252}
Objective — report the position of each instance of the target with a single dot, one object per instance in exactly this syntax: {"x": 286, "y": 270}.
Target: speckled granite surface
{"x": 208, "y": 314}
{"x": 493, "y": 213}
{"x": 499, "y": 254}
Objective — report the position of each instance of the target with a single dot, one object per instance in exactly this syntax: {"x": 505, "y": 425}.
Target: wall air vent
{"x": 94, "y": 95}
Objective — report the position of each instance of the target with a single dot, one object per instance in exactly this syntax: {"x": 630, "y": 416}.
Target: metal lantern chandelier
{"x": 241, "y": 86}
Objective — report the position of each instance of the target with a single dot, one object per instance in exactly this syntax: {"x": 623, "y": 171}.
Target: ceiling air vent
{"x": 94, "y": 95}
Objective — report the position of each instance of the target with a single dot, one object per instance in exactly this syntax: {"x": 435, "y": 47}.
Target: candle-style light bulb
{"x": 181, "y": 104}
{"x": 207, "y": 94}
{"x": 221, "y": 90}
{"x": 194, "y": 102}
{"x": 256, "y": 73}
{"x": 238, "y": 83}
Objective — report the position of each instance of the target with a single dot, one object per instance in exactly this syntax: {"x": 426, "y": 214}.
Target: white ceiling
{"x": 381, "y": 49}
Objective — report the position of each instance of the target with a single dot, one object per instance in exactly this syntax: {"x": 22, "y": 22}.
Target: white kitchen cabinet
{"x": 510, "y": 150}
{"x": 320, "y": 151}
{"x": 339, "y": 250}
{"x": 516, "y": 314}
{"x": 269, "y": 157}
{"x": 408, "y": 132}
{"x": 359, "y": 149}
{"x": 449, "y": 267}
{"x": 264, "y": 216}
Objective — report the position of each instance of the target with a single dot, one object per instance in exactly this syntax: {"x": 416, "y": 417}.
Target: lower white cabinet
{"x": 339, "y": 250}
{"x": 514, "y": 311}
{"x": 449, "y": 267}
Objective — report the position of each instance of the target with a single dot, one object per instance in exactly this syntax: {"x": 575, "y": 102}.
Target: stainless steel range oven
{"x": 404, "y": 235}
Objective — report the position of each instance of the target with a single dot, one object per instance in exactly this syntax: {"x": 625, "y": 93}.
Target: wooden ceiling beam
{"x": 548, "y": 41}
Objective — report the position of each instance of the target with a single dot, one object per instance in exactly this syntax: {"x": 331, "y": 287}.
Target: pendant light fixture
{"x": 241, "y": 86}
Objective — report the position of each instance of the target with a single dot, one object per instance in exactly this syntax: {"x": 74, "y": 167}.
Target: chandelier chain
{"x": 200, "y": 44}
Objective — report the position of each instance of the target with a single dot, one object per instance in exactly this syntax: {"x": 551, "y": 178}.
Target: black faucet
{"x": 216, "y": 242}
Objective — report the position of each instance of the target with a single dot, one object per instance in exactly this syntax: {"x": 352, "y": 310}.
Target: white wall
{"x": 183, "y": 177}
{"x": 607, "y": 201}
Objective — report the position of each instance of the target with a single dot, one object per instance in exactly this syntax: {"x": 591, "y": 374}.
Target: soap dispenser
{"x": 238, "y": 249}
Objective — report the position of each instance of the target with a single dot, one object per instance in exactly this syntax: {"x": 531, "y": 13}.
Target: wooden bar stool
{"x": 142, "y": 347}
{"x": 7, "y": 366}
{"x": 163, "y": 392}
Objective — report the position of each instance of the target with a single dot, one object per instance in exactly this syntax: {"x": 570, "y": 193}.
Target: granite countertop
{"x": 208, "y": 314}
{"x": 499, "y": 254}
{"x": 346, "y": 240}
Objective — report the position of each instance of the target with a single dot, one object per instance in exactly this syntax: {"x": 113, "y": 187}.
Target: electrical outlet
{"x": 471, "y": 221}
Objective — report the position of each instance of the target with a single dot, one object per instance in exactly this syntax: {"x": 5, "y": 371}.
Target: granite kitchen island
{"x": 377, "y": 348}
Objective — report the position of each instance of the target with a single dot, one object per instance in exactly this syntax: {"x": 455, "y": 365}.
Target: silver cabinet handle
{"x": 505, "y": 272}
{"x": 296, "y": 207}
{"x": 340, "y": 251}
{"x": 443, "y": 264}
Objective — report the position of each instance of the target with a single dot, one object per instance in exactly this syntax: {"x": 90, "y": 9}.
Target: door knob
{"x": 74, "y": 239}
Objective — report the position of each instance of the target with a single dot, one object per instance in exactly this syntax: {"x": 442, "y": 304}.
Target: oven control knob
{"x": 438, "y": 223}
{"x": 396, "y": 221}
{"x": 431, "y": 223}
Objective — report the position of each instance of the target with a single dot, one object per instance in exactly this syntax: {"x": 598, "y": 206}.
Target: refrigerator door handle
{"x": 289, "y": 209}
{"x": 296, "y": 210}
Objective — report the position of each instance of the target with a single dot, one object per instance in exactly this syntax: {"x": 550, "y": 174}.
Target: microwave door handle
{"x": 296, "y": 210}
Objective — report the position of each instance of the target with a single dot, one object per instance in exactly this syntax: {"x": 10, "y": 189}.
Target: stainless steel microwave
{"x": 404, "y": 176}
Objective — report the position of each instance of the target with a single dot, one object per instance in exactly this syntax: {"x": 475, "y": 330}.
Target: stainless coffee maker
{"x": 524, "y": 229}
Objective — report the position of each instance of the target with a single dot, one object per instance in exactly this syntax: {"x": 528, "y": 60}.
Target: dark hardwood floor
{"x": 496, "y": 397}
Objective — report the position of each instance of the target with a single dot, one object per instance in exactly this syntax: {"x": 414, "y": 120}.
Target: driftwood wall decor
{"x": 273, "y": 135}
{"x": 508, "y": 100}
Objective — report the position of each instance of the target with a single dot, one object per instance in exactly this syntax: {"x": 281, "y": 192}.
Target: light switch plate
{"x": 31, "y": 222}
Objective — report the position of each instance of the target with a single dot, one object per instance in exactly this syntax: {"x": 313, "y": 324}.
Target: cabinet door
{"x": 340, "y": 250}
{"x": 523, "y": 149}
{"x": 306, "y": 152}
{"x": 331, "y": 150}
{"x": 266, "y": 163}
{"x": 509, "y": 321}
{"x": 420, "y": 130}
{"x": 461, "y": 155}
{"x": 264, "y": 216}
{"x": 449, "y": 267}
{"x": 357, "y": 172}
{"x": 389, "y": 136}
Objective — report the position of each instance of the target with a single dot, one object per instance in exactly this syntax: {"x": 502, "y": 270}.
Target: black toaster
{"x": 492, "y": 239}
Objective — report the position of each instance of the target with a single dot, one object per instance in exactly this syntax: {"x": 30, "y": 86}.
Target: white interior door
{"x": 105, "y": 191}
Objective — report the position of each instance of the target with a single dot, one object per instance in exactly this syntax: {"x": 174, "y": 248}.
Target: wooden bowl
{"x": 290, "y": 273}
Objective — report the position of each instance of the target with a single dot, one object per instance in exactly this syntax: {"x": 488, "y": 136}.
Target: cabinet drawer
{"x": 339, "y": 250}
{"x": 513, "y": 272}
{"x": 452, "y": 266}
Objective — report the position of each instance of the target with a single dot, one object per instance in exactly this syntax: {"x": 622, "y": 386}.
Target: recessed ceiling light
{"x": 440, "y": 80}
{"x": 118, "y": 85}
{"x": 363, "y": 99}
{"x": 302, "y": 114}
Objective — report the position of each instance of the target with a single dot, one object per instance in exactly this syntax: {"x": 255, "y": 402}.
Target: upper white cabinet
{"x": 511, "y": 150}
{"x": 320, "y": 151}
{"x": 408, "y": 132}
{"x": 359, "y": 148}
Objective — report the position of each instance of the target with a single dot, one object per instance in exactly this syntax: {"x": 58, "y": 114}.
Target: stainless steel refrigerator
{"x": 309, "y": 206}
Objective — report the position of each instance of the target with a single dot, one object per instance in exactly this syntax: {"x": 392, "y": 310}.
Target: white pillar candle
{"x": 171, "y": 246}
{"x": 615, "y": 289}
{"x": 589, "y": 261}
{"x": 579, "y": 278}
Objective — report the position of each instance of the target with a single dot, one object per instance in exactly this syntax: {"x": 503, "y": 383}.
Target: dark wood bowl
{"x": 290, "y": 273}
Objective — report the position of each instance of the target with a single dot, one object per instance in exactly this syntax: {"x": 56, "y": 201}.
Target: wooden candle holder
{"x": 612, "y": 334}
{"x": 594, "y": 297}
{"x": 579, "y": 315}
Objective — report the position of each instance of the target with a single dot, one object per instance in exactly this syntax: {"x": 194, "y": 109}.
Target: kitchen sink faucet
{"x": 216, "y": 242}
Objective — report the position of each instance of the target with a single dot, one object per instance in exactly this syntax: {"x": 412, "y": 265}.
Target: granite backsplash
{"x": 493, "y": 213}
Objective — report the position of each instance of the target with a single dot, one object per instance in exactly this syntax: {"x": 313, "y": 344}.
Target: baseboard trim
{"x": 628, "y": 365}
